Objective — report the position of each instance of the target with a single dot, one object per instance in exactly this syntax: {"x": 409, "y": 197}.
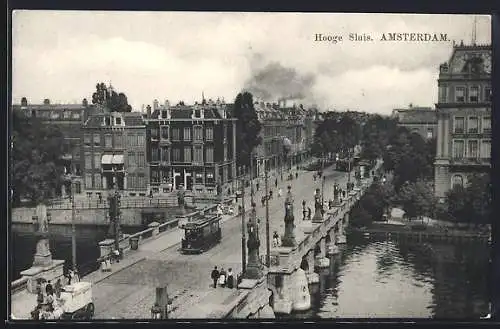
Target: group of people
{"x": 223, "y": 278}
{"x": 46, "y": 297}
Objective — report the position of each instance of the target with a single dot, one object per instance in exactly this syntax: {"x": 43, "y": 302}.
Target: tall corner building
{"x": 464, "y": 117}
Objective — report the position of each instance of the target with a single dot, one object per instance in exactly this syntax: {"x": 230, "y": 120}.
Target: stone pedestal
{"x": 52, "y": 272}
{"x": 332, "y": 249}
{"x": 156, "y": 228}
{"x": 106, "y": 247}
{"x": 300, "y": 293}
{"x": 322, "y": 262}
{"x": 312, "y": 277}
{"x": 341, "y": 238}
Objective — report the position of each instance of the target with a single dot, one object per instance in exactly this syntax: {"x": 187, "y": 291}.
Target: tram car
{"x": 201, "y": 234}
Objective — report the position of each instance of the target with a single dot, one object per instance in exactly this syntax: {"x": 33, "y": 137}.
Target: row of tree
{"x": 36, "y": 165}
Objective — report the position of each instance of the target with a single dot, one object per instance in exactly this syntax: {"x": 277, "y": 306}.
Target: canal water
{"x": 23, "y": 246}
{"x": 384, "y": 278}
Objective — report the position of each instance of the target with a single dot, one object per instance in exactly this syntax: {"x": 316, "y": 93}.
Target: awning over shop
{"x": 117, "y": 159}
{"x": 107, "y": 159}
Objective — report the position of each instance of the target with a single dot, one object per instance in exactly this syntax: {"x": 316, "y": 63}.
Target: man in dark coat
{"x": 49, "y": 289}
{"x": 276, "y": 182}
{"x": 215, "y": 276}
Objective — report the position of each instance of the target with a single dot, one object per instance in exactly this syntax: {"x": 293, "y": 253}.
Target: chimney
{"x": 46, "y": 101}
{"x": 24, "y": 101}
{"x": 155, "y": 104}
{"x": 148, "y": 112}
{"x": 85, "y": 102}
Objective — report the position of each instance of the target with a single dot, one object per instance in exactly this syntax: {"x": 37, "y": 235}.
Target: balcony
{"x": 165, "y": 142}
{"x": 470, "y": 161}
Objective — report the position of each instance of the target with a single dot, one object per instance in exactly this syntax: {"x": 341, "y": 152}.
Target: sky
{"x": 61, "y": 55}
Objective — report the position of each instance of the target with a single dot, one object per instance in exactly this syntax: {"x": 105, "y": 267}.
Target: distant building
{"x": 279, "y": 122}
{"x": 420, "y": 120}
{"x": 464, "y": 117}
{"x": 191, "y": 146}
{"x": 114, "y": 149}
{"x": 69, "y": 118}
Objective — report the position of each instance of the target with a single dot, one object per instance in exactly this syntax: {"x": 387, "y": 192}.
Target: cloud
{"x": 177, "y": 56}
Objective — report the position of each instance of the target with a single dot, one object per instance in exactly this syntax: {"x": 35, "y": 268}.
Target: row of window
{"x": 134, "y": 139}
{"x": 191, "y": 154}
{"x": 464, "y": 95}
{"x": 56, "y": 114}
{"x": 132, "y": 181}
{"x": 163, "y": 132}
{"x": 164, "y": 176}
{"x": 459, "y": 125}
{"x": 471, "y": 149}
{"x": 136, "y": 159}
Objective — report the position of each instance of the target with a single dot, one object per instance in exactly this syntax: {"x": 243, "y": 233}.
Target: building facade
{"x": 279, "y": 122}
{"x": 420, "y": 120}
{"x": 193, "y": 147}
{"x": 114, "y": 152}
{"x": 70, "y": 119}
{"x": 464, "y": 117}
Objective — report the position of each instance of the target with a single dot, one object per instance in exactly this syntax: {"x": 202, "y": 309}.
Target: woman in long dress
{"x": 222, "y": 278}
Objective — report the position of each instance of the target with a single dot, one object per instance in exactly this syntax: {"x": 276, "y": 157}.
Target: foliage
{"x": 417, "y": 199}
{"x": 374, "y": 202}
{"x": 472, "y": 203}
{"x": 410, "y": 157}
{"x": 377, "y": 132}
{"x": 336, "y": 134}
{"x": 248, "y": 128}
{"x": 36, "y": 159}
{"x": 116, "y": 102}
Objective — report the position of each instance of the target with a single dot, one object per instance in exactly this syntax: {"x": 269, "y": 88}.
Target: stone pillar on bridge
{"x": 321, "y": 260}
{"x": 44, "y": 267}
{"x": 288, "y": 239}
{"x": 254, "y": 266}
{"x": 341, "y": 236}
{"x": 312, "y": 276}
{"x": 331, "y": 246}
{"x": 318, "y": 208}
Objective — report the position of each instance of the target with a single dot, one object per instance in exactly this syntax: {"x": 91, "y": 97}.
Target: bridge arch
{"x": 317, "y": 250}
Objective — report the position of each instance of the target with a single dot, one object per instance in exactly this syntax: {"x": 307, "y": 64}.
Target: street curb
{"x": 118, "y": 271}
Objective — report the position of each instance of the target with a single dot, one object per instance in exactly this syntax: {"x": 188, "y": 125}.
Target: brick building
{"x": 420, "y": 120}
{"x": 193, "y": 146}
{"x": 464, "y": 116}
{"x": 114, "y": 151}
{"x": 69, "y": 118}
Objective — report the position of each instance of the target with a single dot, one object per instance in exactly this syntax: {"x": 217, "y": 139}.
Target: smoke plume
{"x": 273, "y": 82}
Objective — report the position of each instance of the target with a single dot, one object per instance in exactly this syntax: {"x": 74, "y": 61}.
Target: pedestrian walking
{"x": 270, "y": 194}
{"x": 314, "y": 177}
{"x": 215, "y": 276}
{"x": 263, "y": 201}
{"x": 222, "y": 278}
{"x": 49, "y": 290}
{"x": 230, "y": 279}
{"x": 279, "y": 193}
{"x": 257, "y": 185}
{"x": 296, "y": 175}
{"x": 100, "y": 198}
{"x": 304, "y": 213}
{"x": 39, "y": 295}
{"x": 303, "y": 203}
{"x": 276, "y": 182}
{"x": 309, "y": 213}
{"x": 58, "y": 288}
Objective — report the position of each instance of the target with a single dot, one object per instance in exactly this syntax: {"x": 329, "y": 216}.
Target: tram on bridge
{"x": 201, "y": 234}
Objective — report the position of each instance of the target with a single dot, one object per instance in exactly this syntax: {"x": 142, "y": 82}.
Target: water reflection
{"x": 389, "y": 278}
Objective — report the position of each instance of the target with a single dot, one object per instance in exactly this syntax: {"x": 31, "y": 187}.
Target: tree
{"x": 248, "y": 128}
{"x": 377, "y": 132}
{"x": 417, "y": 199}
{"x": 337, "y": 133}
{"x": 472, "y": 203}
{"x": 36, "y": 162}
{"x": 116, "y": 102}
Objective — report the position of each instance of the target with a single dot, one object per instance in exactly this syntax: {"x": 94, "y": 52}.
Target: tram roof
{"x": 200, "y": 222}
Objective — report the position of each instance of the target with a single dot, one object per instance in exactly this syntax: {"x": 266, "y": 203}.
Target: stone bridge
{"x": 293, "y": 268}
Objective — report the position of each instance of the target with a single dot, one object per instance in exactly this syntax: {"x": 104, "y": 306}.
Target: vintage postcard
{"x": 227, "y": 165}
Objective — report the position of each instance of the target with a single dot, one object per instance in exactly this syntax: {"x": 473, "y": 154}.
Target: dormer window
{"x": 164, "y": 114}
{"x": 197, "y": 113}
{"x": 118, "y": 121}
{"x": 108, "y": 121}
